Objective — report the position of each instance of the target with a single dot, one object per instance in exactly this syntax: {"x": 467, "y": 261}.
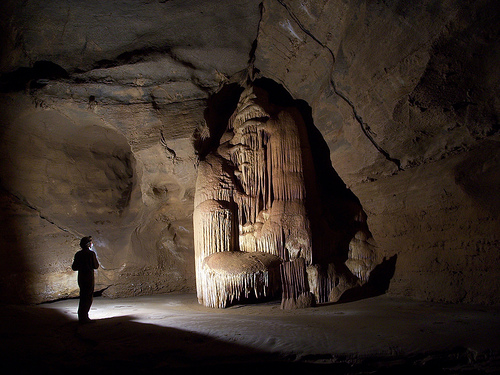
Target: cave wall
{"x": 98, "y": 109}
{"x": 406, "y": 97}
{"x": 100, "y": 104}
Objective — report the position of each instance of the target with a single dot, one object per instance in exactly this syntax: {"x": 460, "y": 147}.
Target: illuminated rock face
{"x": 266, "y": 152}
{"x": 251, "y": 199}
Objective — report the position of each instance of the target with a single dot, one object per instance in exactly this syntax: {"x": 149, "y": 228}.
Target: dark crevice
{"x": 251, "y": 60}
{"x": 31, "y": 78}
{"x": 132, "y": 57}
{"x": 97, "y": 293}
{"x": 364, "y": 127}
{"x": 25, "y": 203}
{"x": 220, "y": 107}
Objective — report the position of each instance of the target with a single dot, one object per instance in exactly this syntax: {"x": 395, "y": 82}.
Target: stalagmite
{"x": 252, "y": 231}
{"x": 361, "y": 257}
{"x": 296, "y": 292}
{"x": 250, "y": 200}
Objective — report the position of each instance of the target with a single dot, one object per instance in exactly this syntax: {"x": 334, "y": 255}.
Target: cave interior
{"x": 291, "y": 161}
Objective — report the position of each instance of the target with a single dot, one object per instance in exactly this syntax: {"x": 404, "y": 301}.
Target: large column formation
{"x": 253, "y": 236}
{"x": 250, "y": 198}
{"x": 266, "y": 153}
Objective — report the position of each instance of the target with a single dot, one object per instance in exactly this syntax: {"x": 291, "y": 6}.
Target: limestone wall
{"x": 99, "y": 106}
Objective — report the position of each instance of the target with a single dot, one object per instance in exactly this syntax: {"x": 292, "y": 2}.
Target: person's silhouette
{"x": 85, "y": 263}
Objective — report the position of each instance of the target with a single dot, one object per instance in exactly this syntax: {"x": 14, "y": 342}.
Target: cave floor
{"x": 172, "y": 333}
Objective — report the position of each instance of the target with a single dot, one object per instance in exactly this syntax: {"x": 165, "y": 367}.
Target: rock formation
{"x": 103, "y": 107}
{"x": 252, "y": 201}
{"x": 250, "y": 196}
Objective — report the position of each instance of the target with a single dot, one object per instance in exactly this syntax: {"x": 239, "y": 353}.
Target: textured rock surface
{"x": 100, "y": 102}
{"x": 100, "y": 106}
{"x": 406, "y": 97}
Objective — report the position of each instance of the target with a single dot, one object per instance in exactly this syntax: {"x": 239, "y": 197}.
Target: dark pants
{"x": 86, "y": 284}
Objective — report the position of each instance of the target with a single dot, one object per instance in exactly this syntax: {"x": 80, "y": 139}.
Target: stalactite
{"x": 228, "y": 277}
{"x": 213, "y": 226}
{"x": 262, "y": 200}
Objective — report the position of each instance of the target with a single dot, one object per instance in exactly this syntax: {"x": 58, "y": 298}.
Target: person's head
{"x": 86, "y": 242}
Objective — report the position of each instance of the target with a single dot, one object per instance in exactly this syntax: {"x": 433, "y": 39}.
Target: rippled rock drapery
{"x": 250, "y": 204}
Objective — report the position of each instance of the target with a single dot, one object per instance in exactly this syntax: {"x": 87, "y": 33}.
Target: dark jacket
{"x": 85, "y": 261}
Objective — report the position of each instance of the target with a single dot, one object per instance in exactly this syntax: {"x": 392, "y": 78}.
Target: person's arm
{"x": 76, "y": 263}
{"x": 95, "y": 261}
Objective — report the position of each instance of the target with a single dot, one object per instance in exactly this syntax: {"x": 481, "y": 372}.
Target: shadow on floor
{"x": 37, "y": 340}
{"x": 43, "y": 341}
{"x": 378, "y": 283}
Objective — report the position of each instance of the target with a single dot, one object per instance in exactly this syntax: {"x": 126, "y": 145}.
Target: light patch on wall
{"x": 288, "y": 26}
{"x": 303, "y": 6}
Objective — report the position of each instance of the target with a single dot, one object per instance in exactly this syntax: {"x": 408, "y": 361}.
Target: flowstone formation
{"x": 253, "y": 235}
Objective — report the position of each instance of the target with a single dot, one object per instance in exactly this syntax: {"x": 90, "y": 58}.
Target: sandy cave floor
{"x": 172, "y": 332}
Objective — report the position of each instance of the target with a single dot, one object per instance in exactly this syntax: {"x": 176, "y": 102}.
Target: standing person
{"x": 85, "y": 263}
